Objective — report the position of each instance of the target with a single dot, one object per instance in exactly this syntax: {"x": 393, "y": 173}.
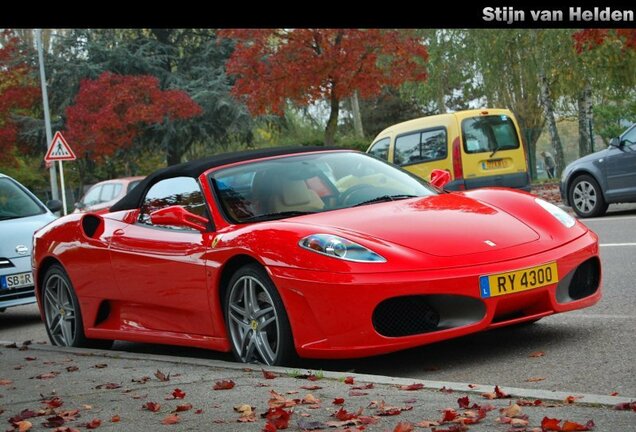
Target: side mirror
{"x": 615, "y": 142}
{"x": 178, "y": 216}
{"x": 54, "y": 205}
{"x": 440, "y": 178}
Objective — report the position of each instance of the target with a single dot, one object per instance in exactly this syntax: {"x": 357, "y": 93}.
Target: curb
{"x": 583, "y": 399}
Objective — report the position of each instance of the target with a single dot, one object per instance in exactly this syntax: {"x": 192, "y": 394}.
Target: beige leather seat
{"x": 294, "y": 195}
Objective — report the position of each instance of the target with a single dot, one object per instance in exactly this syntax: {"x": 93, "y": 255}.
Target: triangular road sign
{"x": 59, "y": 149}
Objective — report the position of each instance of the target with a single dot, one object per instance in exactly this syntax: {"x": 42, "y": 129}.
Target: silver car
{"x": 591, "y": 183}
{"x": 21, "y": 214}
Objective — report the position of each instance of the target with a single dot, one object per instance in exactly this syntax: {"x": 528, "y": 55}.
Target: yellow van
{"x": 478, "y": 148}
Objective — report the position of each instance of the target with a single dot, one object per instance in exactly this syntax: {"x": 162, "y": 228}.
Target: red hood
{"x": 442, "y": 225}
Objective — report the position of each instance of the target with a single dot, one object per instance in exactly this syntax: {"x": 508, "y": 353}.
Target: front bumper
{"x": 331, "y": 314}
{"x": 19, "y": 296}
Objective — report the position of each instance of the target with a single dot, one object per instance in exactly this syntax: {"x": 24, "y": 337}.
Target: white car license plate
{"x": 17, "y": 280}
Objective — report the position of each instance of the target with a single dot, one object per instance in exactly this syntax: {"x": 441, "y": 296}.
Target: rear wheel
{"x": 256, "y": 320}
{"x": 62, "y": 314}
{"x": 586, "y": 197}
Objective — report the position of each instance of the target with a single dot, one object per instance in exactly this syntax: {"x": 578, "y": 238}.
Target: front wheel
{"x": 586, "y": 197}
{"x": 62, "y": 314}
{"x": 256, "y": 319}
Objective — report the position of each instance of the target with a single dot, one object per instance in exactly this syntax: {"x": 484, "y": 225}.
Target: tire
{"x": 586, "y": 197}
{"x": 256, "y": 321}
{"x": 62, "y": 314}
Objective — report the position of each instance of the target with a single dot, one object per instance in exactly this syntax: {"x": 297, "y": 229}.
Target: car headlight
{"x": 338, "y": 247}
{"x": 567, "y": 220}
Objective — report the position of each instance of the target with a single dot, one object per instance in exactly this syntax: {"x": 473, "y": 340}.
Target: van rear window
{"x": 422, "y": 146}
{"x": 489, "y": 134}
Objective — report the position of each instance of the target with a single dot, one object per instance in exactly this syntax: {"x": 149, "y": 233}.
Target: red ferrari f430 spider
{"x": 310, "y": 252}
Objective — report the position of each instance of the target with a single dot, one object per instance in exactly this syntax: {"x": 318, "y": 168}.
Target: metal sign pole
{"x": 63, "y": 190}
{"x": 45, "y": 106}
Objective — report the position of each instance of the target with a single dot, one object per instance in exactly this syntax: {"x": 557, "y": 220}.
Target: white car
{"x": 21, "y": 214}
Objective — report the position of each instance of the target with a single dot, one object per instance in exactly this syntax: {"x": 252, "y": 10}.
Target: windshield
{"x": 311, "y": 183}
{"x": 15, "y": 202}
{"x": 489, "y": 134}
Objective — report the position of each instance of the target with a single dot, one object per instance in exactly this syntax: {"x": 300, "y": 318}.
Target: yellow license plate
{"x": 495, "y": 164}
{"x": 517, "y": 281}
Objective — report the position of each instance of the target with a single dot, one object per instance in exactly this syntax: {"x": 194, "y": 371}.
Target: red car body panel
{"x": 164, "y": 287}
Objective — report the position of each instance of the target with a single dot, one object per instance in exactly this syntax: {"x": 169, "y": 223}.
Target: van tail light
{"x": 458, "y": 171}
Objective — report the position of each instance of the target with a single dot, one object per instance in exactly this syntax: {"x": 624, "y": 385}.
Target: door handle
{"x": 118, "y": 232}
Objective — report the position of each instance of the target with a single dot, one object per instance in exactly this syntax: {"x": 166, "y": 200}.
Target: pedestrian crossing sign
{"x": 59, "y": 149}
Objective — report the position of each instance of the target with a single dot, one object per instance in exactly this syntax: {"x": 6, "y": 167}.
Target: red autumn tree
{"x": 19, "y": 94}
{"x": 591, "y": 38}
{"x": 112, "y": 110}
{"x": 305, "y": 65}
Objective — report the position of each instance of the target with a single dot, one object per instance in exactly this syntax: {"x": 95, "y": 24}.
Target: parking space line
{"x": 616, "y": 244}
{"x": 609, "y": 218}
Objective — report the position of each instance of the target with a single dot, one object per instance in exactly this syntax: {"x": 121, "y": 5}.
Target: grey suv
{"x": 591, "y": 183}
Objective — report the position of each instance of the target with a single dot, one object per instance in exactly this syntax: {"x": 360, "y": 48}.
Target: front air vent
{"x": 92, "y": 225}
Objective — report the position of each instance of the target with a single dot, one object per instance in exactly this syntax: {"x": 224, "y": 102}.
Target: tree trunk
{"x": 585, "y": 120}
{"x": 357, "y": 118}
{"x": 332, "y": 123}
{"x": 548, "y": 110}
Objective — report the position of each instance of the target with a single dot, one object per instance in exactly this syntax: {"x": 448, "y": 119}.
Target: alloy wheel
{"x": 253, "y": 321}
{"x": 60, "y": 311}
{"x": 584, "y": 196}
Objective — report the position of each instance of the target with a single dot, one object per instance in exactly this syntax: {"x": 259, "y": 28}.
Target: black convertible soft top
{"x": 195, "y": 168}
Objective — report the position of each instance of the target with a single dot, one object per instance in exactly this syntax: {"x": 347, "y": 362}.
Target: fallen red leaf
{"x": 47, "y": 375}
{"x": 151, "y": 406}
{"x": 412, "y": 387}
{"x": 446, "y": 390}
{"x": 24, "y": 414}
{"x": 463, "y": 402}
{"x": 537, "y": 354}
{"x": 23, "y": 426}
{"x": 472, "y": 386}
{"x": 5, "y": 382}
{"x": 178, "y": 394}
{"x": 199, "y": 411}
{"x": 224, "y": 385}
{"x": 310, "y": 387}
{"x": 569, "y": 426}
{"x": 625, "y": 406}
{"x": 100, "y": 366}
{"x": 278, "y": 417}
{"x": 448, "y": 415}
{"x": 183, "y": 407}
{"x": 338, "y": 401}
{"x": 268, "y": 374}
{"x": 363, "y": 387}
{"x": 65, "y": 429}
{"x": 30, "y": 358}
{"x": 348, "y": 380}
{"x": 171, "y": 419}
{"x": 427, "y": 424}
{"x": 72, "y": 369}
{"x": 94, "y": 424}
{"x": 54, "y": 402}
{"x": 279, "y": 401}
{"x": 69, "y": 415}
{"x": 269, "y": 428}
{"x": 53, "y": 422}
{"x": 108, "y": 386}
{"x": 614, "y": 394}
{"x": 403, "y": 427}
{"x": 115, "y": 419}
{"x": 343, "y": 415}
{"x": 571, "y": 399}
{"x": 161, "y": 376}
{"x": 357, "y": 393}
